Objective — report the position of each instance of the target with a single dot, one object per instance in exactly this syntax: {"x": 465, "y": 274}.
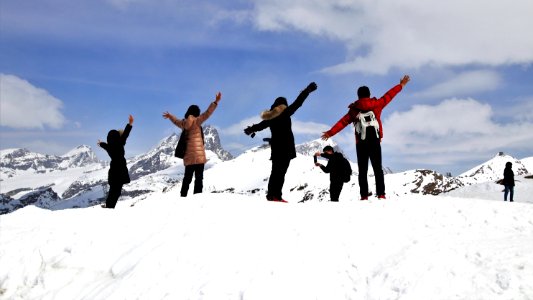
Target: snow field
{"x": 227, "y": 246}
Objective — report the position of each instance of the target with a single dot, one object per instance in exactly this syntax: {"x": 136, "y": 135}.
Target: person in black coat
{"x": 118, "y": 171}
{"x": 335, "y": 169}
{"x": 278, "y": 119}
{"x": 508, "y": 181}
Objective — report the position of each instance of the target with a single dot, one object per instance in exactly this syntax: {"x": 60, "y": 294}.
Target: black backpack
{"x": 346, "y": 168}
{"x": 182, "y": 143}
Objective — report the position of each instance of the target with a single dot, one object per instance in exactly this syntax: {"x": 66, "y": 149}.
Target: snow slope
{"x": 523, "y": 190}
{"x": 227, "y": 246}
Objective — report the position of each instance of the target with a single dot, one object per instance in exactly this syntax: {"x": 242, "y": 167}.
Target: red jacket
{"x": 365, "y": 104}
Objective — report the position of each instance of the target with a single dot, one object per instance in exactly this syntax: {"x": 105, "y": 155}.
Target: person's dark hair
{"x": 508, "y": 164}
{"x": 279, "y": 101}
{"x": 113, "y": 137}
{"x": 327, "y": 148}
{"x": 363, "y": 92}
{"x": 193, "y": 110}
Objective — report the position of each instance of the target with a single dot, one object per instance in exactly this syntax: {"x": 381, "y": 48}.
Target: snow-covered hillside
{"x": 228, "y": 246}
{"x": 77, "y": 180}
{"x": 492, "y": 170}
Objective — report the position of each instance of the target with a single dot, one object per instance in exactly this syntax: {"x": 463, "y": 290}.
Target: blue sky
{"x": 72, "y": 70}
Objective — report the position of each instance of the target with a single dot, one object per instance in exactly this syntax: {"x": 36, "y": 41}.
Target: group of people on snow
{"x": 364, "y": 113}
{"x": 283, "y": 150}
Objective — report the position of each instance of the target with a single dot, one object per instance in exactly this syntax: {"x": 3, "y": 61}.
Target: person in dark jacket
{"x": 368, "y": 141}
{"x": 283, "y": 150}
{"x": 118, "y": 170}
{"x": 195, "y": 158}
{"x": 508, "y": 181}
{"x": 335, "y": 169}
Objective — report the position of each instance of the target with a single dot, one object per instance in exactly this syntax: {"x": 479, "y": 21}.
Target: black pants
{"x": 277, "y": 178}
{"x": 335, "y": 188}
{"x": 112, "y": 197}
{"x": 198, "y": 171}
{"x": 370, "y": 149}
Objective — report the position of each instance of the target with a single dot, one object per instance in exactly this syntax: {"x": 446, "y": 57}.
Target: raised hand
{"x": 405, "y": 80}
{"x": 311, "y": 87}
{"x": 325, "y": 136}
{"x": 130, "y": 119}
{"x": 218, "y": 97}
{"x": 248, "y": 130}
{"x": 168, "y": 115}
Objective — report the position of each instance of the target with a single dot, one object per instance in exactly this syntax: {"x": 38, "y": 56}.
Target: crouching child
{"x": 339, "y": 170}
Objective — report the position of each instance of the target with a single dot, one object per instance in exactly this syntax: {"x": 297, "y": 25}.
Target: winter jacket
{"x": 334, "y": 166}
{"x": 366, "y": 104}
{"x": 118, "y": 170}
{"x": 508, "y": 176}
{"x": 195, "y": 151}
{"x": 278, "y": 120}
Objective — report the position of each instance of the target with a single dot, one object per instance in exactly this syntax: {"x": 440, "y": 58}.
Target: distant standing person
{"x": 508, "y": 181}
{"x": 338, "y": 168}
{"x": 283, "y": 150}
{"x": 195, "y": 158}
{"x": 118, "y": 170}
{"x": 365, "y": 113}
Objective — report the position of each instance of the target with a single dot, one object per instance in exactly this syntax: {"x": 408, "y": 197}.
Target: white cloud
{"x": 453, "y": 131}
{"x": 26, "y": 106}
{"x": 464, "y": 84}
{"x": 380, "y": 35}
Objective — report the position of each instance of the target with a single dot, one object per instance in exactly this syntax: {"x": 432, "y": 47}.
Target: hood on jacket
{"x": 280, "y": 104}
{"x": 273, "y": 113}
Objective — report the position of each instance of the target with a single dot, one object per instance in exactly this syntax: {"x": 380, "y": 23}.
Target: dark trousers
{"x": 508, "y": 188}
{"x": 277, "y": 178}
{"x": 112, "y": 197}
{"x": 198, "y": 171}
{"x": 335, "y": 188}
{"x": 370, "y": 149}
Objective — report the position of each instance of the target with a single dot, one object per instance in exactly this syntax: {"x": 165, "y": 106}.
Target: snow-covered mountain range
{"x": 79, "y": 179}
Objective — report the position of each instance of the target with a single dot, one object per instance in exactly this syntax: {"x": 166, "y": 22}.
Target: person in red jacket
{"x": 365, "y": 113}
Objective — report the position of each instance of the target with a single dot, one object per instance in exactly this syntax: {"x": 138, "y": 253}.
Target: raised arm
{"x": 103, "y": 145}
{"x": 385, "y": 99}
{"x": 205, "y": 115}
{"x": 251, "y": 130}
{"x": 126, "y": 133}
{"x": 340, "y": 125}
{"x": 178, "y": 122}
{"x": 301, "y": 98}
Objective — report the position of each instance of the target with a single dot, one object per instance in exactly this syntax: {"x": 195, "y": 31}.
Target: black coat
{"x": 508, "y": 176}
{"x": 118, "y": 170}
{"x": 282, "y": 139}
{"x": 334, "y": 166}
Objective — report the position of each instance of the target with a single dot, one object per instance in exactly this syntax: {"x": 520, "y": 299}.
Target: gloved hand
{"x": 249, "y": 131}
{"x": 311, "y": 87}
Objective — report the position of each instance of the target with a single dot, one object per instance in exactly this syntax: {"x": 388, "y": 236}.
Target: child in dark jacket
{"x": 508, "y": 181}
{"x": 118, "y": 170}
{"x": 335, "y": 170}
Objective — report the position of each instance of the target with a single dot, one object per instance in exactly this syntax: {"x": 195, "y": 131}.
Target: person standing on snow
{"x": 365, "y": 113}
{"x": 118, "y": 170}
{"x": 278, "y": 119}
{"x": 508, "y": 181}
{"x": 194, "y": 158}
{"x": 336, "y": 168}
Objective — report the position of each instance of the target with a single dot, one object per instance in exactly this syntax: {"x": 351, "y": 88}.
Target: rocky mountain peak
{"x": 212, "y": 142}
